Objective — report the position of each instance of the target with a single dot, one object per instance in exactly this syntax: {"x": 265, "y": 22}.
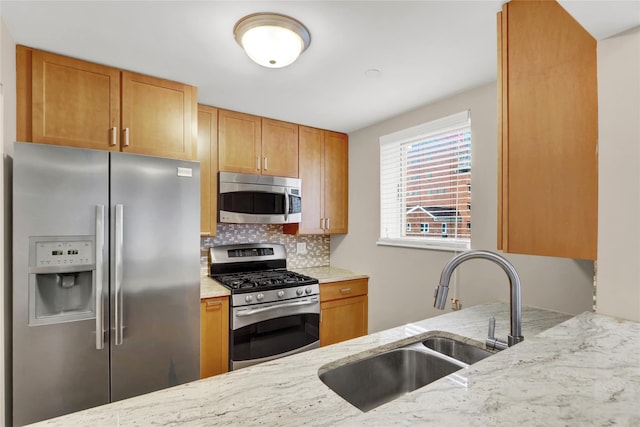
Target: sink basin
{"x": 370, "y": 382}
{"x": 458, "y": 350}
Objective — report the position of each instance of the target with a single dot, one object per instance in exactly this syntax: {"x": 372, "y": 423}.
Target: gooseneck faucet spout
{"x": 440, "y": 297}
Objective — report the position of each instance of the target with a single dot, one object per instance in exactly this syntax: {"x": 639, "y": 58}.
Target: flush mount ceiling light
{"x": 270, "y": 39}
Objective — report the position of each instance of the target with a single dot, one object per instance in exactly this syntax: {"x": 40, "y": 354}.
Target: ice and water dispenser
{"x": 61, "y": 279}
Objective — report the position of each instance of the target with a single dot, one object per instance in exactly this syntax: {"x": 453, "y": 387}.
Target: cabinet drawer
{"x": 343, "y": 289}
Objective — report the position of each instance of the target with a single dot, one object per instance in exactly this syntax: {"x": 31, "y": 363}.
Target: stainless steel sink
{"x": 383, "y": 377}
{"x": 378, "y": 379}
{"x": 456, "y": 349}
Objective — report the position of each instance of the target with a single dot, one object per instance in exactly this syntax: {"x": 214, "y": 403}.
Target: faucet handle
{"x": 492, "y": 342}
{"x": 492, "y": 328}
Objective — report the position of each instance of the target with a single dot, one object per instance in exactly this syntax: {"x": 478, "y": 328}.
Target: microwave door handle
{"x": 286, "y": 204}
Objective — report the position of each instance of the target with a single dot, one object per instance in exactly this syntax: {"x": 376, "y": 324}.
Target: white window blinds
{"x": 425, "y": 185}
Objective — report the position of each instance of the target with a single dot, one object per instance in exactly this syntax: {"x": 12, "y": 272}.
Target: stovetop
{"x": 257, "y": 267}
{"x": 255, "y": 281}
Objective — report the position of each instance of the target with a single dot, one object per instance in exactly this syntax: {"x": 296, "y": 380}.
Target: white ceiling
{"x": 424, "y": 50}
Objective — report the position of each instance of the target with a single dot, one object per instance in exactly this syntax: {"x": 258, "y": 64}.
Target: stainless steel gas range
{"x": 274, "y": 312}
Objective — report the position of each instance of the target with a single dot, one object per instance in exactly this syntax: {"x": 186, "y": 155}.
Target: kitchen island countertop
{"x": 580, "y": 371}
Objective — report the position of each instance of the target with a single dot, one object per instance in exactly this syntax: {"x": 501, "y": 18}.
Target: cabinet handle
{"x": 345, "y": 290}
{"x": 265, "y": 162}
{"x": 213, "y": 303}
{"x": 114, "y": 136}
{"x": 328, "y": 223}
{"x": 258, "y": 161}
{"x": 125, "y": 142}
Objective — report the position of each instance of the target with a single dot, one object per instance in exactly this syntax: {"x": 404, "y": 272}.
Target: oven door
{"x": 269, "y": 331}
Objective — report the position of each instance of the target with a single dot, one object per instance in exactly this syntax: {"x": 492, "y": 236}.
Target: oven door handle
{"x": 274, "y": 307}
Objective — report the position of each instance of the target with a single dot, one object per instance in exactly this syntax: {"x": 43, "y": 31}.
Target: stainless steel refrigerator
{"x": 106, "y": 277}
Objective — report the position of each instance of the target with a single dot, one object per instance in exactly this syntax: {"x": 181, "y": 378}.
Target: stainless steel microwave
{"x": 258, "y": 199}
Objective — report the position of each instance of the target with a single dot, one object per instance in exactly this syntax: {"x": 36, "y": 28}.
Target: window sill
{"x": 417, "y": 244}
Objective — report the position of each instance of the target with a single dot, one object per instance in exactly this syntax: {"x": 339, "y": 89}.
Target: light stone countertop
{"x": 210, "y": 288}
{"x": 585, "y": 371}
{"x": 326, "y": 274}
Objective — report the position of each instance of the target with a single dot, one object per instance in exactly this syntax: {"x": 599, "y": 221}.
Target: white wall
{"x": 618, "y": 284}
{"x": 8, "y": 136}
{"x": 402, "y": 280}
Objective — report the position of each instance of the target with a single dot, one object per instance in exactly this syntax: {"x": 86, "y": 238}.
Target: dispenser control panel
{"x": 49, "y": 254}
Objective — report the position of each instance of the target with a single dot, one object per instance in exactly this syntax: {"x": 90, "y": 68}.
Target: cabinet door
{"x": 548, "y": 132}
{"x": 336, "y": 183}
{"x": 73, "y": 103}
{"x": 279, "y": 148}
{"x": 311, "y": 147}
{"x": 239, "y": 142}
{"x": 214, "y": 336}
{"x": 159, "y": 117}
{"x": 343, "y": 319}
{"x": 208, "y": 157}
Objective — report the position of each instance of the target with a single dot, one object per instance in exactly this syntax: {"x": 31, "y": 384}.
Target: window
{"x": 425, "y": 178}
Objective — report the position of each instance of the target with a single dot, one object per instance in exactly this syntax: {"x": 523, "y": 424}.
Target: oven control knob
{"x": 308, "y": 290}
{"x": 299, "y": 291}
{"x": 260, "y": 297}
{"x": 248, "y": 298}
{"x": 280, "y": 294}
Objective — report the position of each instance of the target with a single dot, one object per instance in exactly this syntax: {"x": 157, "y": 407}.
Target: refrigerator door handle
{"x": 99, "y": 277}
{"x": 118, "y": 279}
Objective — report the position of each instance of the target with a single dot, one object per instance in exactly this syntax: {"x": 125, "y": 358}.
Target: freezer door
{"x": 155, "y": 273}
{"x": 58, "y": 363}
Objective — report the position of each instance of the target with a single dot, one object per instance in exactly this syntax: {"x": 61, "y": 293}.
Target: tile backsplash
{"x": 228, "y": 234}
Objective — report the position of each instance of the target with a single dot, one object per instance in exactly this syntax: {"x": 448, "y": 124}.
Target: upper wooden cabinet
{"x": 159, "y": 117}
{"x": 324, "y": 174}
{"x": 336, "y": 183}
{"x": 279, "y": 148}
{"x": 251, "y": 144}
{"x": 208, "y": 157}
{"x": 548, "y": 199}
{"x": 239, "y": 142}
{"x": 66, "y": 101}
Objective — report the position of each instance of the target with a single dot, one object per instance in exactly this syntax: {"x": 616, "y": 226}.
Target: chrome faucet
{"x": 440, "y": 296}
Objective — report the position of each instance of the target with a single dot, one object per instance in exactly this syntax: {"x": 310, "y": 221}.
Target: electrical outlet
{"x": 301, "y": 248}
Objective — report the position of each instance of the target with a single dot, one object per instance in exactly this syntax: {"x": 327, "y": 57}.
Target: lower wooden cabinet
{"x": 343, "y": 310}
{"x": 214, "y": 336}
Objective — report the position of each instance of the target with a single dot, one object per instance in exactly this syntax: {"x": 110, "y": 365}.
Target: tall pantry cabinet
{"x": 208, "y": 157}
{"x": 547, "y": 129}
